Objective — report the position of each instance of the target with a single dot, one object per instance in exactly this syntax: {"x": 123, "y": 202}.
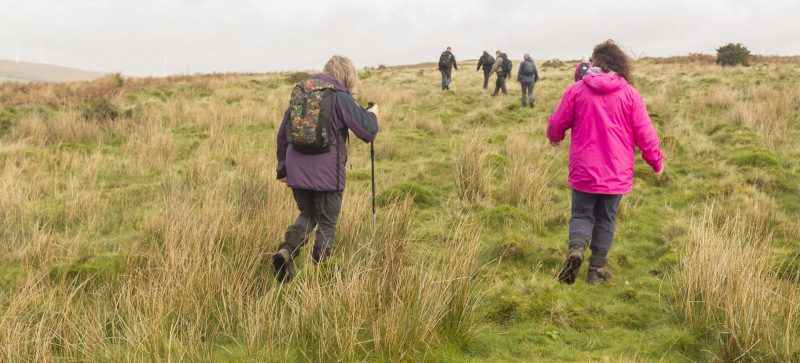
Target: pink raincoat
{"x": 608, "y": 118}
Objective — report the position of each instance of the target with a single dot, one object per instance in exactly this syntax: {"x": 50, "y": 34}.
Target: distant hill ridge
{"x": 38, "y": 72}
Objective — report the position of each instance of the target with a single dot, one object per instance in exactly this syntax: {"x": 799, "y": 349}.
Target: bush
{"x": 553, "y": 63}
{"x": 99, "y": 109}
{"x": 296, "y": 77}
{"x": 8, "y": 117}
{"x": 733, "y": 54}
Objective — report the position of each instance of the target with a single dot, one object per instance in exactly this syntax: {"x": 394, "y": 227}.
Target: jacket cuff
{"x": 281, "y": 174}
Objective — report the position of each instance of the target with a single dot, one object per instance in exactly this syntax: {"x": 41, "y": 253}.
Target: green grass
{"x": 91, "y": 213}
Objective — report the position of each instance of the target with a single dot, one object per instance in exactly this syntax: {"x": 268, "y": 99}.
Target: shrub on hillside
{"x": 733, "y": 54}
{"x": 296, "y": 77}
{"x": 554, "y": 63}
{"x": 8, "y": 117}
{"x": 99, "y": 109}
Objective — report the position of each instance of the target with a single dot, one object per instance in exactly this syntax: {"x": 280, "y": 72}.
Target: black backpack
{"x": 310, "y": 125}
{"x": 507, "y": 66}
{"x": 488, "y": 60}
{"x": 527, "y": 68}
{"x": 444, "y": 60}
{"x": 582, "y": 70}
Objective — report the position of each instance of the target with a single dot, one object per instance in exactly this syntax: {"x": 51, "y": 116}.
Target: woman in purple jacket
{"x": 317, "y": 180}
{"x": 608, "y": 120}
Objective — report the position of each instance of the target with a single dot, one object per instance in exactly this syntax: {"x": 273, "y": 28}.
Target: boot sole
{"x": 570, "y": 270}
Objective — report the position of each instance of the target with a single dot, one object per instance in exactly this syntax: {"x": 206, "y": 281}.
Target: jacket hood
{"x": 327, "y": 78}
{"x": 604, "y": 82}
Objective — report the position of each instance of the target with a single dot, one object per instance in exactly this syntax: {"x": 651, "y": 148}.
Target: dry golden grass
{"x": 473, "y": 175}
{"x": 728, "y": 289}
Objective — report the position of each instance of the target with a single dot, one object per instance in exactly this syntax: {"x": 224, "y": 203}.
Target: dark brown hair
{"x": 609, "y": 57}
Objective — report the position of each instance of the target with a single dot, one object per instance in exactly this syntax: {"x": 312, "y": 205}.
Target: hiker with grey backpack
{"x": 312, "y": 153}
{"x": 503, "y": 67}
{"x": 527, "y": 76}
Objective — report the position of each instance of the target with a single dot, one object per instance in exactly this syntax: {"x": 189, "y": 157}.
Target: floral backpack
{"x": 310, "y": 125}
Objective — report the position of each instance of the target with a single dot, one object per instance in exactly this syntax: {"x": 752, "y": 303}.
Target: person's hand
{"x": 282, "y": 180}
{"x": 374, "y": 109}
{"x": 555, "y": 143}
{"x": 658, "y": 173}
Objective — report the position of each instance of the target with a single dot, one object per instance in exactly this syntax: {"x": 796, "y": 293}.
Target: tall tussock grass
{"x": 473, "y": 175}
{"x": 528, "y": 177}
{"x": 199, "y": 277}
{"x": 726, "y": 288}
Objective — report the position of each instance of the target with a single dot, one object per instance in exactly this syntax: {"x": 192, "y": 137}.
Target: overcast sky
{"x": 135, "y": 37}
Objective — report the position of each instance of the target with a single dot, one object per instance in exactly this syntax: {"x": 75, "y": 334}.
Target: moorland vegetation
{"x": 137, "y": 218}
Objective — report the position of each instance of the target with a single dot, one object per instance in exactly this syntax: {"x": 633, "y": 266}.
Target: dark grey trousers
{"x": 594, "y": 219}
{"x": 446, "y": 77}
{"x": 316, "y": 209}
{"x": 500, "y": 83}
{"x": 527, "y": 87}
{"x": 487, "y": 73}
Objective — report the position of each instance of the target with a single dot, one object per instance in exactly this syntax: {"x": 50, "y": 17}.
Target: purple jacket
{"x": 326, "y": 172}
{"x": 608, "y": 120}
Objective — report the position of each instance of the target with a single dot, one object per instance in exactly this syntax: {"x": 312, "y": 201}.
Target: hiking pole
{"x": 372, "y": 160}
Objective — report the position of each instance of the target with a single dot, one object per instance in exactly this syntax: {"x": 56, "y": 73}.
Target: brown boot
{"x": 597, "y": 275}
{"x": 572, "y": 264}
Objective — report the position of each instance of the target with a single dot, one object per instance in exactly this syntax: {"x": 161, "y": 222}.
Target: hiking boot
{"x": 319, "y": 255}
{"x": 531, "y": 104}
{"x": 597, "y": 275}
{"x": 283, "y": 263}
{"x": 571, "y": 265}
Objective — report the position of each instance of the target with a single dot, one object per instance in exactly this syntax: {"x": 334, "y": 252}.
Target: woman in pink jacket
{"x": 608, "y": 120}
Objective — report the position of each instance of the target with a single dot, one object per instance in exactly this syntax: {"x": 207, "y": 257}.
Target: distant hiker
{"x": 502, "y": 66}
{"x": 446, "y": 63}
{"x": 608, "y": 120}
{"x": 312, "y": 154}
{"x": 582, "y": 68}
{"x": 486, "y": 61}
{"x": 527, "y": 76}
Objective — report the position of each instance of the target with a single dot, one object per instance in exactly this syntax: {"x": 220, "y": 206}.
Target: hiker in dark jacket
{"x": 486, "y": 61}
{"x": 501, "y": 74}
{"x": 317, "y": 180}
{"x": 446, "y": 63}
{"x": 527, "y": 80}
{"x": 582, "y": 68}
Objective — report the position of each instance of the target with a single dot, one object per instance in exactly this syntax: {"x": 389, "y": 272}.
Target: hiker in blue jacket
{"x": 527, "y": 76}
{"x": 317, "y": 180}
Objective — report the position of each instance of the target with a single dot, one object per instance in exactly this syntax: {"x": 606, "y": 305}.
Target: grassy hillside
{"x": 137, "y": 218}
